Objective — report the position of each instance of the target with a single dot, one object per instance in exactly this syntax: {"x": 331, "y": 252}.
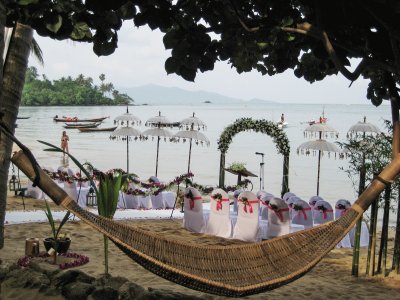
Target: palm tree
{"x": 13, "y": 73}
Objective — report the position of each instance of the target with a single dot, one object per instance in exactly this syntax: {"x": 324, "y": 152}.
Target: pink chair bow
{"x": 303, "y": 211}
{"x": 219, "y": 202}
{"x": 324, "y": 211}
{"x": 191, "y": 203}
{"x": 248, "y": 203}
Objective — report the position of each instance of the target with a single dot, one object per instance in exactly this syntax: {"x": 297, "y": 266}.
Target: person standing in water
{"x": 64, "y": 142}
{"x": 282, "y": 118}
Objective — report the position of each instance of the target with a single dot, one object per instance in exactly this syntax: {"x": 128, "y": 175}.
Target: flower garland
{"x": 264, "y": 126}
{"x": 79, "y": 260}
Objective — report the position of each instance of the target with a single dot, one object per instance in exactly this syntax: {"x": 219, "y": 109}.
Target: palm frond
{"x": 36, "y": 51}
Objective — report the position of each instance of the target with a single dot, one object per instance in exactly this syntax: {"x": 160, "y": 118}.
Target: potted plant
{"x": 59, "y": 242}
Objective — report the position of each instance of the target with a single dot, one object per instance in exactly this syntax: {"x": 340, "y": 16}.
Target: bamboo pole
{"x": 396, "y": 254}
{"x": 384, "y": 234}
{"x": 370, "y": 270}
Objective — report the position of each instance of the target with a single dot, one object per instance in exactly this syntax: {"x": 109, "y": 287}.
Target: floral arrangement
{"x": 79, "y": 260}
{"x": 274, "y": 207}
{"x": 340, "y": 206}
{"x": 217, "y": 196}
{"x": 264, "y": 126}
{"x": 237, "y": 166}
{"x": 322, "y": 208}
{"x": 297, "y": 207}
{"x": 189, "y": 194}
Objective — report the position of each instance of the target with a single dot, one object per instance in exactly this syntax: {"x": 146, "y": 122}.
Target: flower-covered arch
{"x": 264, "y": 126}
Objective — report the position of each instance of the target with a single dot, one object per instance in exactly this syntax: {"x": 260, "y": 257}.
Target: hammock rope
{"x": 233, "y": 270}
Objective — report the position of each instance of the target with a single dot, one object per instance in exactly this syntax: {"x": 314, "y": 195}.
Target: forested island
{"x": 40, "y": 91}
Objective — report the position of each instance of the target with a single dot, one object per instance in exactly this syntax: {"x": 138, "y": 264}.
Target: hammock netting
{"x": 233, "y": 270}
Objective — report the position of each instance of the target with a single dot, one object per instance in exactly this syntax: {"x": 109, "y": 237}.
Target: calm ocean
{"x": 98, "y": 149}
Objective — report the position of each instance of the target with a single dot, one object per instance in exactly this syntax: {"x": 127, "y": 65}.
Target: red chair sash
{"x": 219, "y": 202}
{"x": 303, "y": 211}
{"x": 191, "y": 201}
{"x": 248, "y": 203}
{"x": 278, "y": 212}
{"x": 324, "y": 212}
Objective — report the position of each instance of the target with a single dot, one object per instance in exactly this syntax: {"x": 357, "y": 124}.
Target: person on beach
{"x": 282, "y": 118}
{"x": 64, "y": 142}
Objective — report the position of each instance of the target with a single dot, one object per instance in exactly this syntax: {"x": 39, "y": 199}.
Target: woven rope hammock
{"x": 233, "y": 270}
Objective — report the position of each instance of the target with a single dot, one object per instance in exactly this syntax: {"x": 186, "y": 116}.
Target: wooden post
{"x": 32, "y": 247}
{"x": 285, "y": 176}
{"x": 222, "y": 170}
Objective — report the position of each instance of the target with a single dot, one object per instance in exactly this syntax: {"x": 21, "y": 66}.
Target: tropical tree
{"x": 269, "y": 36}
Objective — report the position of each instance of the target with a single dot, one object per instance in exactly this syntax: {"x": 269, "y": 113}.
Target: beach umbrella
{"x": 158, "y": 122}
{"x": 320, "y": 145}
{"x": 192, "y": 133}
{"x": 126, "y": 132}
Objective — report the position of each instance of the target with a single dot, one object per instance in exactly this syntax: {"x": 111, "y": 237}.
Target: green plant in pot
{"x": 59, "y": 242}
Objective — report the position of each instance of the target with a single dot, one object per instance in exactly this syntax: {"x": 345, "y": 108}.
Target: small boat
{"x": 80, "y": 125}
{"x": 75, "y": 119}
{"x": 23, "y": 118}
{"x": 82, "y": 129}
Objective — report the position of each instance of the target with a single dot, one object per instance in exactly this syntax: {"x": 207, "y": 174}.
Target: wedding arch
{"x": 264, "y": 126}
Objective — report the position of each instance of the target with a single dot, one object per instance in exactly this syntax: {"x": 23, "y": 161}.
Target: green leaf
{"x": 26, "y": 2}
{"x": 54, "y": 27}
{"x": 287, "y": 21}
{"x": 81, "y": 30}
{"x": 262, "y": 45}
{"x": 291, "y": 38}
{"x": 171, "y": 65}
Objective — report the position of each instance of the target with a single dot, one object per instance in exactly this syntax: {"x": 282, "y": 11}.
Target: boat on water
{"x": 19, "y": 118}
{"x": 75, "y": 119}
{"x": 80, "y": 125}
{"x": 83, "y": 129}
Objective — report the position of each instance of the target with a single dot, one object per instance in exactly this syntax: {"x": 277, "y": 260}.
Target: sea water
{"x": 104, "y": 153}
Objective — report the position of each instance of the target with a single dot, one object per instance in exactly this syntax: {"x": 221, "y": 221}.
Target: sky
{"x": 139, "y": 60}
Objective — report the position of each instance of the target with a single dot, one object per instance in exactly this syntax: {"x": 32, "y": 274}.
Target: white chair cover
{"x": 246, "y": 227}
{"x": 264, "y": 202}
{"x": 341, "y": 207}
{"x": 312, "y": 202}
{"x": 169, "y": 199}
{"x": 302, "y": 214}
{"x": 157, "y": 201}
{"x": 278, "y": 218}
{"x": 323, "y": 212}
{"x": 364, "y": 236}
{"x": 219, "y": 223}
{"x": 259, "y": 194}
{"x": 193, "y": 210}
{"x": 235, "y": 203}
{"x": 290, "y": 201}
{"x": 287, "y": 195}
{"x": 144, "y": 202}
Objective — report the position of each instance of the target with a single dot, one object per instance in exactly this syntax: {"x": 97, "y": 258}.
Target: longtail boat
{"x": 75, "y": 119}
{"x": 97, "y": 129}
{"x": 79, "y": 125}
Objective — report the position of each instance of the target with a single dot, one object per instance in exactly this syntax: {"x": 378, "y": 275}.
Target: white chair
{"x": 219, "y": 223}
{"x": 157, "y": 201}
{"x": 278, "y": 218}
{"x": 246, "y": 227}
{"x": 264, "y": 202}
{"x": 193, "y": 210}
{"x": 144, "y": 202}
{"x": 290, "y": 201}
{"x": 34, "y": 192}
{"x": 323, "y": 212}
{"x": 259, "y": 194}
{"x": 235, "y": 202}
{"x": 312, "y": 202}
{"x": 287, "y": 195}
{"x": 341, "y": 207}
{"x": 302, "y": 214}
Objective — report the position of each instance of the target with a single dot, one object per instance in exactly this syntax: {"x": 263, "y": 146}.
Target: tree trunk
{"x": 12, "y": 85}
{"x": 396, "y": 254}
{"x": 384, "y": 234}
{"x": 372, "y": 239}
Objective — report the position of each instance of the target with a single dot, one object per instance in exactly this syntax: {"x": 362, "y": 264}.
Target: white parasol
{"x": 363, "y": 128}
{"x": 158, "y": 122}
{"x": 191, "y": 124}
{"x": 319, "y": 145}
{"x": 126, "y": 132}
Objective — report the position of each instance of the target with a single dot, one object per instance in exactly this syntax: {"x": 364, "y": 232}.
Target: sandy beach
{"x": 330, "y": 279}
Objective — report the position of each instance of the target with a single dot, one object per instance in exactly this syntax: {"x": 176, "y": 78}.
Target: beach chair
{"x": 219, "y": 222}
{"x": 302, "y": 213}
{"x": 264, "y": 202}
{"x": 193, "y": 210}
{"x": 278, "y": 218}
{"x": 247, "y": 224}
{"x": 323, "y": 212}
{"x": 287, "y": 195}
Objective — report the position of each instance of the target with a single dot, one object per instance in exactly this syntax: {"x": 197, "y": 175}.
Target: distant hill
{"x": 160, "y": 95}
